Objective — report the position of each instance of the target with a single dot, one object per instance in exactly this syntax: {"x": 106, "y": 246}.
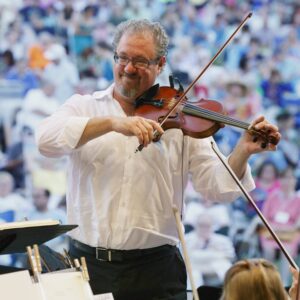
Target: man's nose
{"x": 130, "y": 68}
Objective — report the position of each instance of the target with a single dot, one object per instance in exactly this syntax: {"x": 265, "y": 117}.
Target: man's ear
{"x": 161, "y": 63}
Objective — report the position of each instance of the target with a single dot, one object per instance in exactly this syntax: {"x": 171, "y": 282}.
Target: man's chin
{"x": 130, "y": 93}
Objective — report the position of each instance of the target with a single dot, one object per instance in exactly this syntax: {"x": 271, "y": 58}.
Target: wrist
{"x": 111, "y": 123}
{"x": 241, "y": 151}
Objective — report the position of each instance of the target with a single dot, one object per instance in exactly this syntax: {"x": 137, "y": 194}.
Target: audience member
{"x": 274, "y": 88}
{"x": 84, "y": 24}
{"x": 36, "y": 56}
{"x": 289, "y": 144}
{"x": 266, "y": 182}
{"x": 7, "y": 61}
{"x": 38, "y": 104}
{"x": 282, "y": 210}
{"x": 13, "y": 206}
{"x": 238, "y": 102}
{"x": 20, "y": 73}
{"x": 196, "y": 204}
{"x": 256, "y": 279}
{"x": 211, "y": 253}
{"x": 61, "y": 72}
{"x": 13, "y": 160}
{"x": 41, "y": 198}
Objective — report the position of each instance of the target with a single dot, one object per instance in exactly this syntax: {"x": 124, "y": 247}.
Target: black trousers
{"x": 158, "y": 276}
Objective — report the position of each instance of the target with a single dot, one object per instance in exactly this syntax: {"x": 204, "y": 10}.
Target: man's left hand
{"x": 266, "y": 140}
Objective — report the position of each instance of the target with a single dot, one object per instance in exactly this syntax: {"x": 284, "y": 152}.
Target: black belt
{"x": 120, "y": 255}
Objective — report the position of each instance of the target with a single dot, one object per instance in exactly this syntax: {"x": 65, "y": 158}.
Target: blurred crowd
{"x": 51, "y": 49}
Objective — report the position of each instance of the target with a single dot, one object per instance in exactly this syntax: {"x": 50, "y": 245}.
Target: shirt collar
{"x": 100, "y": 95}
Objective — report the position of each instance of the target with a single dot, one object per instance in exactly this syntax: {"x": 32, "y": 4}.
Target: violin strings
{"x": 214, "y": 116}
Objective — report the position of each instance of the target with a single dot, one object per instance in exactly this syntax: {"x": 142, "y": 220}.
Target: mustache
{"x": 131, "y": 76}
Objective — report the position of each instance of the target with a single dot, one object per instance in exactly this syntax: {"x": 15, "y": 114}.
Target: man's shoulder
{"x": 103, "y": 94}
{"x": 95, "y": 96}
{"x": 79, "y": 98}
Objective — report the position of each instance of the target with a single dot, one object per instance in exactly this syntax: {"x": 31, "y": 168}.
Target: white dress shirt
{"x": 121, "y": 199}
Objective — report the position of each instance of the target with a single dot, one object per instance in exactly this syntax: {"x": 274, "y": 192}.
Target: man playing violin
{"x": 122, "y": 200}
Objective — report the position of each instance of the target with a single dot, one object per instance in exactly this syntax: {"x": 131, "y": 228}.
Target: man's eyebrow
{"x": 135, "y": 57}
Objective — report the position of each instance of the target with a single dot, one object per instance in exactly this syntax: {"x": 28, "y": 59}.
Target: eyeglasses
{"x": 137, "y": 62}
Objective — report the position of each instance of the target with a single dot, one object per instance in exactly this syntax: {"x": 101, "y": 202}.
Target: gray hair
{"x": 144, "y": 26}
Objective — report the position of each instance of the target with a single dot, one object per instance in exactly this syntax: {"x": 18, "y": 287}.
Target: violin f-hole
{"x": 161, "y": 118}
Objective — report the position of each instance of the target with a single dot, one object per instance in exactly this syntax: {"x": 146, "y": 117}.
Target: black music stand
{"x": 209, "y": 292}
{"x": 15, "y": 240}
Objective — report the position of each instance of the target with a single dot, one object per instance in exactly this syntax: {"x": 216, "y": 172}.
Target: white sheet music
{"x": 25, "y": 224}
{"x": 57, "y": 286}
{"x": 108, "y": 296}
{"x": 66, "y": 286}
{"x": 19, "y": 286}
{"x": 51, "y": 286}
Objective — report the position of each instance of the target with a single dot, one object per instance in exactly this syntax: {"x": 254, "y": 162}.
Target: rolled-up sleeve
{"x": 59, "y": 134}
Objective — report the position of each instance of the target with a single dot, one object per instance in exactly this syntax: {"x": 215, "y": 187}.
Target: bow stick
{"x": 185, "y": 252}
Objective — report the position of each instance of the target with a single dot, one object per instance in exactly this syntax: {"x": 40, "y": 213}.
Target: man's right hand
{"x": 140, "y": 127}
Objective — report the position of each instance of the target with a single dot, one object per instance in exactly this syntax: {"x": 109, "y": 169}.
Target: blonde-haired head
{"x": 253, "y": 279}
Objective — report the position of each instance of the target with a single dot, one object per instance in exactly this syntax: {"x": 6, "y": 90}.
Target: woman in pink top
{"x": 282, "y": 210}
{"x": 266, "y": 182}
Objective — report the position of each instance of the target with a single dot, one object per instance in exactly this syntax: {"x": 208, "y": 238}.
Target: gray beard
{"x": 128, "y": 93}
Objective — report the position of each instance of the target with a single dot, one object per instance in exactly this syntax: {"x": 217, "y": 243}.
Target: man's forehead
{"x": 136, "y": 36}
{"x": 138, "y": 44}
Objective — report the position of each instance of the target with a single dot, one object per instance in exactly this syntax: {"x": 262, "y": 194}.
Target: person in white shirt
{"x": 122, "y": 200}
{"x": 12, "y": 200}
{"x": 211, "y": 254}
{"x": 41, "y": 210}
{"x": 61, "y": 72}
{"x": 38, "y": 103}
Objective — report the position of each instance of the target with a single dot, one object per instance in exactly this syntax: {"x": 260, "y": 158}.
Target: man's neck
{"x": 126, "y": 104}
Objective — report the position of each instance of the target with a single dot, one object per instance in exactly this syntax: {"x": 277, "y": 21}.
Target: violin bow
{"x": 185, "y": 252}
{"x": 260, "y": 214}
{"x": 182, "y": 96}
{"x": 298, "y": 287}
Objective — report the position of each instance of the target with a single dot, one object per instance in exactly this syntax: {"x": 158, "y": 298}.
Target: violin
{"x": 199, "y": 119}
